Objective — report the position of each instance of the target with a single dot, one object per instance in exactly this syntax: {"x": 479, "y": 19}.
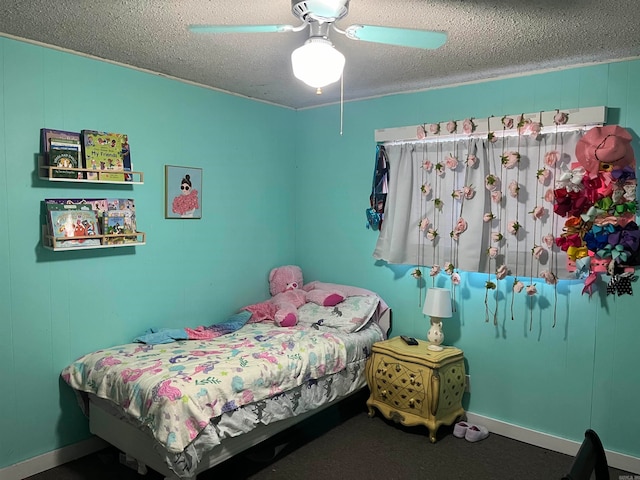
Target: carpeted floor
{"x": 343, "y": 442}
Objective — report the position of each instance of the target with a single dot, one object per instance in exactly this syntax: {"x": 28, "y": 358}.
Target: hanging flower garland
{"x": 423, "y": 224}
{"x": 493, "y": 183}
{"x": 511, "y": 160}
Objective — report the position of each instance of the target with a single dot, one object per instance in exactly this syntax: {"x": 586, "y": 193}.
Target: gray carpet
{"x": 345, "y": 442}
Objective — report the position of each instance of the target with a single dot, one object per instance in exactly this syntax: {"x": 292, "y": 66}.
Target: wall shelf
{"x": 55, "y": 243}
{"x": 46, "y": 173}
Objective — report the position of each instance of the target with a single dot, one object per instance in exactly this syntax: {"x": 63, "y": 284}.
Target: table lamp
{"x": 437, "y": 305}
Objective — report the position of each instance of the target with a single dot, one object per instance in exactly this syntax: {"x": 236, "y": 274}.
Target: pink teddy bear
{"x": 287, "y": 295}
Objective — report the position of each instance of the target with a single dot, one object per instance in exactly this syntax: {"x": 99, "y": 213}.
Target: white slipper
{"x": 475, "y": 433}
{"x": 460, "y": 429}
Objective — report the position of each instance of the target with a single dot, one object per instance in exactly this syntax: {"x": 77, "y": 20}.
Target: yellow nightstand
{"x": 416, "y": 386}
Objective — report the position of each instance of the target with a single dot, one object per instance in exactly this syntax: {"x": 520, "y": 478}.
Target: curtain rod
{"x": 577, "y": 118}
{"x": 498, "y": 134}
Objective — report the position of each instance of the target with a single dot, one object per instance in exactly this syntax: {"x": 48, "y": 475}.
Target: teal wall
{"x": 56, "y": 306}
{"x": 582, "y": 373}
{"x": 279, "y": 186}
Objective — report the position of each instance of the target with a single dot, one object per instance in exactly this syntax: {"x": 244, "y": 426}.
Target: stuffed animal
{"x": 285, "y": 285}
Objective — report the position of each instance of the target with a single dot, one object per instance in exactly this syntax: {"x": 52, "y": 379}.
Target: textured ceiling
{"x": 486, "y": 39}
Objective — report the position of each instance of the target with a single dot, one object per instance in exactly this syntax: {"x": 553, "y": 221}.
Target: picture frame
{"x": 183, "y": 192}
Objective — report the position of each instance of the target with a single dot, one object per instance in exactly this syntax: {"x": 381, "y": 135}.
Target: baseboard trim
{"x": 551, "y": 442}
{"x": 63, "y": 455}
{"x": 52, "y": 459}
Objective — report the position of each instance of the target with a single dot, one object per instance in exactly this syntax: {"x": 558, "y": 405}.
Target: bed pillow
{"x": 350, "y": 315}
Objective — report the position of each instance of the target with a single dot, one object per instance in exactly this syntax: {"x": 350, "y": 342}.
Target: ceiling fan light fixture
{"x": 317, "y": 63}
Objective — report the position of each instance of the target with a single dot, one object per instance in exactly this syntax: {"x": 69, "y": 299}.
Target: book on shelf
{"x": 65, "y": 154}
{"x": 108, "y": 154}
{"x": 118, "y": 222}
{"x": 46, "y": 134}
{"x": 66, "y": 223}
{"x": 99, "y": 205}
{"x": 124, "y": 204}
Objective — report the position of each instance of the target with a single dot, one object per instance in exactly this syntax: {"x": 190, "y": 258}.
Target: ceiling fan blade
{"x": 241, "y": 28}
{"x": 404, "y": 37}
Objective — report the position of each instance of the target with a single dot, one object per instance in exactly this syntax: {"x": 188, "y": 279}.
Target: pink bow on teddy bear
{"x": 287, "y": 295}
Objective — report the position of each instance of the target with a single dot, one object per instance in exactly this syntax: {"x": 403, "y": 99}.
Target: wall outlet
{"x": 467, "y": 383}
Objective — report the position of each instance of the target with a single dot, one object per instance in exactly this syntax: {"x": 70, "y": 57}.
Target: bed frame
{"x": 140, "y": 453}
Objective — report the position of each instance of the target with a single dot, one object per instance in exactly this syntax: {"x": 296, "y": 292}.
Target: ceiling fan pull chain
{"x": 341, "y": 101}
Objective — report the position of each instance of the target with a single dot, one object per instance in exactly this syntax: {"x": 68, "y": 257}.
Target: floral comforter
{"x": 176, "y": 389}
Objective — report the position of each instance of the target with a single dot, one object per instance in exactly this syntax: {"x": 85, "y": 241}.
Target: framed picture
{"x": 183, "y": 192}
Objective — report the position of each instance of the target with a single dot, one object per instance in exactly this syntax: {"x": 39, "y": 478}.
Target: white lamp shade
{"x": 317, "y": 63}
{"x": 437, "y": 303}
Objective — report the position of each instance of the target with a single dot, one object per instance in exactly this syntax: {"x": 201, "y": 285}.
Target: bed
{"x": 184, "y": 406}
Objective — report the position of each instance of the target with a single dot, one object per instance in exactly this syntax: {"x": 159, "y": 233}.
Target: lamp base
{"x": 435, "y": 348}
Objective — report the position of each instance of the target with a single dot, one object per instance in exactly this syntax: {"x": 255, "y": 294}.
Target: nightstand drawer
{"x": 400, "y": 385}
{"x": 415, "y": 386}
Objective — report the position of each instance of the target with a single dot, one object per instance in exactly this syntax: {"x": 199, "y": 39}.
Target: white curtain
{"x": 463, "y": 193}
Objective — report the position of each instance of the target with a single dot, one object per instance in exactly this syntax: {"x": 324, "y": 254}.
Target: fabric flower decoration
{"x": 537, "y": 251}
{"x": 527, "y": 126}
{"x": 531, "y": 289}
{"x": 543, "y": 175}
{"x": 420, "y": 133}
{"x": 549, "y": 196}
{"x": 438, "y": 203}
{"x": 424, "y": 223}
{"x": 534, "y": 129}
{"x": 496, "y": 236}
{"x": 455, "y": 278}
{"x": 452, "y": 126}
{"x": 448, "y": 268}
{"x": 496, "y": 196}
{"x": 461, "y": 226}
{"x": 501, "y": 272}
{"x": 432, "y": 234}
{"x": 487, "y": 217}
{"x": 454, "y": 235}
{"x": 507, "y": 122}
{"x": 548, "y": 240}
{"x": 451, "y": 162}
{"x": 492, "y": 252}
{"x": 492, "y": 137}
{"x": 434, "y": 128}
{"x": 560, "y": 118}
{"x": 468, "y": 126}
{"x": 456, "y": 194}
{"x": 440, "y": 169}
{"x": 514, "y": 188}
{"x": 491, "y": 182}
{"x": 468, "y": 191}
{"x": 510, "y": 159}
{"x": 538, "y": 212}
{"x": 513, "y": 227}
{"x": 427, "y": 166}
{"x": 489, "y": 285}
{"x": 435, "y": 270}
{"x": 549, "y": 277}
{"x": 417, "y": 273}
{"x": 471, "y": 160}
{"x": 551, "y": 158}
{"x": 518, "y": 286}
{"x": 425, "y": 188}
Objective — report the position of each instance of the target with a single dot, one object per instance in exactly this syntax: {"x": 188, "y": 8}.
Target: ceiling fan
{"x": 317, "y": 62}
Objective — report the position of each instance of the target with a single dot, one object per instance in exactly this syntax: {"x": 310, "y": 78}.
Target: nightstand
{"x": 415, "y": 386}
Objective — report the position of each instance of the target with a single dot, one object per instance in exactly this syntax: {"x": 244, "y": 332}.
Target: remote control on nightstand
{"x": 409, "y": 340}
